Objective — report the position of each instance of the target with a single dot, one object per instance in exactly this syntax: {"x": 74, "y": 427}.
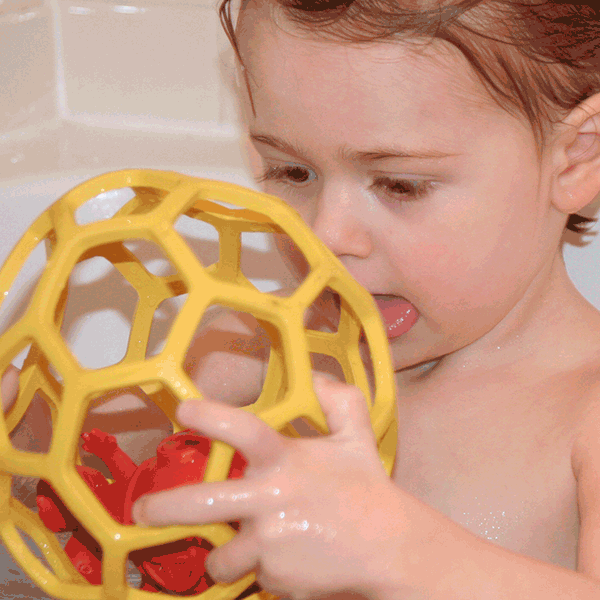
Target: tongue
{"x": 398, "y": 314}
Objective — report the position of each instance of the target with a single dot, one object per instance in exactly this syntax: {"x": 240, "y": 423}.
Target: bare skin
{"x": 506, "y": 470}
{"x": 497, "y": 478}
{"x": 475, "y": 465}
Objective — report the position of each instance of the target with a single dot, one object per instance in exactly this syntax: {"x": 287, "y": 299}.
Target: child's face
{"x": 433, "y": 197}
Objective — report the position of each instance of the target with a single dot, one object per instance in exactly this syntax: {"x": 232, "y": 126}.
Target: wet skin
{"x": 489, "y": 411}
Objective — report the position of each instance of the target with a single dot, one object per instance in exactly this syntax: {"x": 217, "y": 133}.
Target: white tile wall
{"x": 27, "y": 65}
{"x": 78, "y": 74}
{"x": 147, "y": 65}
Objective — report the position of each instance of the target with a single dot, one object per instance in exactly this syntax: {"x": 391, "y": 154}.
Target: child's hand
{"x": 229, "y": 355}
{"x": 313, "y": 511}
{"x": 9, "y": 387}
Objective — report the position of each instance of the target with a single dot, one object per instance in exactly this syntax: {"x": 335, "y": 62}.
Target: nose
{"x": 341, "y": 222}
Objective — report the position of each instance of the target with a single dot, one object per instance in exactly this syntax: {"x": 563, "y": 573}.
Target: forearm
{"x": 227, "y": 360}
{"x": 450, "y": 563}
{"x": 486, "y": 572}
{"x": 32, "y": 434}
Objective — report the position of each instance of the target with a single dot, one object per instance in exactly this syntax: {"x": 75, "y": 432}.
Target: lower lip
{"x": 398, "y": 314}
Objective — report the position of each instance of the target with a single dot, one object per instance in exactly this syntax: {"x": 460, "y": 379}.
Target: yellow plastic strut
{"x": 52, "y": 372}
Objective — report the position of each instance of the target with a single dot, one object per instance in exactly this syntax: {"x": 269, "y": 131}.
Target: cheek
{"x": 466, "y": 269}
{"x": 293, "y": 257}
{"x": 441, "y": 273}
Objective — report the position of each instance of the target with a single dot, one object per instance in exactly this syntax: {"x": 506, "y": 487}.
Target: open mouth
{"x": 398, "y": 314}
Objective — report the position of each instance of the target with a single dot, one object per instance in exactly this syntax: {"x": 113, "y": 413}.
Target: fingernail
{"x": 186, "y": 409}
{"x": 137, "y": 513}
{"x": 323, "y": 380}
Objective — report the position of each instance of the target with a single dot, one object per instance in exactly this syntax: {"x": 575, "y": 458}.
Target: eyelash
{"x": 411, "y": 189}
{"x": 281, "y": 173}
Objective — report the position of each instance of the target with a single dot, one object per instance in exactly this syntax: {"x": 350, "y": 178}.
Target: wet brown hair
{"x": 537, "y": 58}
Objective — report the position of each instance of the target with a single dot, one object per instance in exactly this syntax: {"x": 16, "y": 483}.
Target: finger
{"x": 197, "y": 504}
{"x": 9, "y": 386}
{"x": 252, "y": 437}
{"x": 344, "y": 406}
{"x": 233, "y": 560}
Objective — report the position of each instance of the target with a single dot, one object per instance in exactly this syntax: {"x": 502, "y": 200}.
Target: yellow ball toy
{"x": 53, "y": 372}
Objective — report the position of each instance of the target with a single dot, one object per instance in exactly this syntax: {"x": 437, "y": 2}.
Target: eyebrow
{"x": 353, "y": 155}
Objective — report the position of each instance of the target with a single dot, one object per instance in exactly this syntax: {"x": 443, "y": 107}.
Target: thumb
{"x": 344, "y": 406}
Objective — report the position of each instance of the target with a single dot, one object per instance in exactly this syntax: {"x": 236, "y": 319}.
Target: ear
{"x": 577, "y": 158}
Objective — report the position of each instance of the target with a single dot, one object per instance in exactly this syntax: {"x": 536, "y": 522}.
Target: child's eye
{"x": 294, "y": 174}
{"x": 404, "y": 189}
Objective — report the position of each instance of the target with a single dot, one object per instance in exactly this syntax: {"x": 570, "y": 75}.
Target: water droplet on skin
{"x": 491, "y": 527}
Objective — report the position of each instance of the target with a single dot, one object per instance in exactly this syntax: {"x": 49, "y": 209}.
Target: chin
{"x": 410, "y": 353}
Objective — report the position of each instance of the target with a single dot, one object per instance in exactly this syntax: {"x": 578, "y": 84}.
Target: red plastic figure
{"x": 177, "y": 567}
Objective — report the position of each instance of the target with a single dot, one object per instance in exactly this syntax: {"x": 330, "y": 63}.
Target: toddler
{"x": 439, "y": 149}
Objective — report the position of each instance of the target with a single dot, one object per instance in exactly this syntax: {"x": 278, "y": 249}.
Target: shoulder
{"x": 586, "y": 446}
{"x": 585, "y": 455}
{"x": 577, "y": 376}
{"x": 585, "y": 461}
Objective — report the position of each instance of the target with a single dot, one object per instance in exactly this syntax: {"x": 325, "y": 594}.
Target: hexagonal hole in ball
{"x": 31, "y": 388}
{"x": 228, "y": 356}
{"x": 99, "y": 313}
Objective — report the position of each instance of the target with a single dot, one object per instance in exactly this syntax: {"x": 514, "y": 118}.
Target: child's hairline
{"x": 542, "y": 123}
{"x": 539, "y": 126}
